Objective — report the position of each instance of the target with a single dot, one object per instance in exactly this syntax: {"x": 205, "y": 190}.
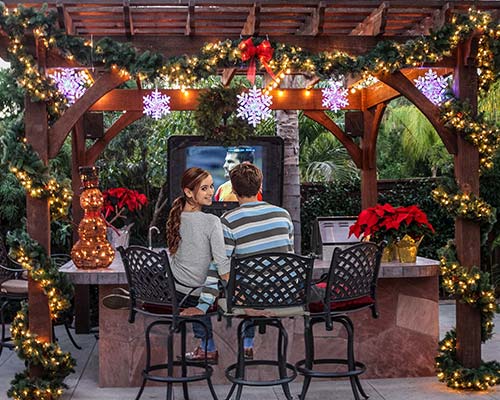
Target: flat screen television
{"x": 194, "y": 151}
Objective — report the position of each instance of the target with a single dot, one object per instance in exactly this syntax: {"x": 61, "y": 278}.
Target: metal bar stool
{"x": 277, "y": 285}
{"x": 350, "y": 285}
{"x": 152, "y": 293}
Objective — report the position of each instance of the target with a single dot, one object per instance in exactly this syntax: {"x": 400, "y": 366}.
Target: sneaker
{"x": 198, "y": 355}
{"x": 116, "y": 301}
{"x": 248, "y": 353}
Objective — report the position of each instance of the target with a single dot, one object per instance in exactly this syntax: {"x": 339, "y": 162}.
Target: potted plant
{"x": 400, "y": 226}
{"x": 121, "y": 206}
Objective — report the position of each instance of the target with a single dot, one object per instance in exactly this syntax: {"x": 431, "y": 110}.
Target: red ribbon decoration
{"x": 264, "y": 52}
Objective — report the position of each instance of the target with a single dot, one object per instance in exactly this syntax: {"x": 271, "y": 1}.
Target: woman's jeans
{"x": 198, "y": 330}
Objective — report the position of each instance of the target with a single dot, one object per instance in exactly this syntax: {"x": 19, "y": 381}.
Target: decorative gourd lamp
{"x": 93, "y": 249}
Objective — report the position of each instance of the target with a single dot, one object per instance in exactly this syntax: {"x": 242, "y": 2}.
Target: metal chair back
{"x": 353, "y": 273}
{"x": 269, "y": 280}
{"x": 150, "y": 278}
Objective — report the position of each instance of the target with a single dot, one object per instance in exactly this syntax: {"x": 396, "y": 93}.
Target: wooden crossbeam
{"x": 64, "y": 19}
{"x": 434, "y": 21}
{"x": 227, "y": 76}
{"x": 374, "y": 24}
{"x": 252, "y": 24}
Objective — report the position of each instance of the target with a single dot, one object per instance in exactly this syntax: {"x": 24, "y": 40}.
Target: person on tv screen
{"x": 198, "y": 256}
{"x": 234, "y": 157}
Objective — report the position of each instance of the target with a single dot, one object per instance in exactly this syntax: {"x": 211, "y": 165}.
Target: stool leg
{"x": 212, "y": 390}
{"x": 350, "y": 354}
{"x": 352, "y": 360}
{"x": 170, "y": 361}
{"x": 183, "y": 360}
{"x": 309, "y": 347}
{"x": 148, "y": 361}
{"x": 231, "y": 391}
{"x": 282, "y": 347}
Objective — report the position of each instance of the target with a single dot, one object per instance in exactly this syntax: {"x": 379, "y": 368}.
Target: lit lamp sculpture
{"x": 93, "y": 249}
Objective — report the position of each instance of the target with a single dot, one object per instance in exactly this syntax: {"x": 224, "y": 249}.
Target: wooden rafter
{"x": 313, "y": 25}
{"x": 375, "y": 23}
{"x": 127, "y": 19}
{"x": 64, "y": 19}
{"x": 434, "y": 21}
{"x": 227, "y": 76}
{"x": 190, "y": 27}
{"x": 252, "y": 24}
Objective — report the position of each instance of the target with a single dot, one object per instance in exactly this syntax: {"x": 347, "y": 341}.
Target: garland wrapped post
{"x": 57, "y": 365}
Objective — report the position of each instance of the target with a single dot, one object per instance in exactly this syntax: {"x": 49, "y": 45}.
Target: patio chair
{"x": 350, "y": 285}
{"x": 152, "y": 293}
{"x": 276, "y": 284}
{"x": 13, "y": 289}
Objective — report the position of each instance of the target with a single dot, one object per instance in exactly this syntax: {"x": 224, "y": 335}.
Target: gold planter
{"x": 389, "y": 253}
{"x": 407, "y": 249}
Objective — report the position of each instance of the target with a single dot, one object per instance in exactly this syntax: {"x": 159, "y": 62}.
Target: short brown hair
{"x": 246, "y": 179}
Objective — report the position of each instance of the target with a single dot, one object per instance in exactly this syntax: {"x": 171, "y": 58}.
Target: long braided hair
{"x": 191, "y": 179}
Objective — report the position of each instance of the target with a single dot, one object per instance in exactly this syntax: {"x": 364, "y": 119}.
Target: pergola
{"x": 183, "y": 26}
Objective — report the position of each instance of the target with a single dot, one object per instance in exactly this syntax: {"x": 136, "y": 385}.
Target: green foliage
{"x": 12, "y": 202}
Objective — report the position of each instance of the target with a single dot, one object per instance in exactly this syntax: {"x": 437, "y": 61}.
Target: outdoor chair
{"x": 13, "y": 289}
{"x": 67, "y": 317}
{"x": 277, "y": 285}
{"x": 152, "y": 293}
{"x": 349, "y": 286}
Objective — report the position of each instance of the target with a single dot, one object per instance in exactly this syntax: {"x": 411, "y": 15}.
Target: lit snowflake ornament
{"x": 335, "y": 95}
{"x": 254, "y": 106}
{"x": 156, "y": 105}
{"x": 71, "y": 83}
{"x": 432, "y": 86}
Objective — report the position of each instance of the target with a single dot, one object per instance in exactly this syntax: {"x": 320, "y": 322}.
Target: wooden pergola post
{"x": 467, "y": 233}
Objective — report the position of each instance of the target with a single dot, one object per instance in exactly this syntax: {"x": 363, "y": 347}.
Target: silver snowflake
{"x": 71, "y": 83}
{"x": 254, "y": 106}
{"x": 156, "y": 105}
{"x": 335, "y": 95}
{"x": 432, "y": 86}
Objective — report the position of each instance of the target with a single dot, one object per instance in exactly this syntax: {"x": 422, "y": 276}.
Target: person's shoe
{"x": 198, "y": 355}
{"x": 116, "y": 301}
{"x": 248, "y": 353}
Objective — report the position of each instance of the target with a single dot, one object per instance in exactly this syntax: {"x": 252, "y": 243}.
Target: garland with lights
{"x": 30, "y": 171}
{"x": 57, "y": 365}
{"x": 472, "y": 287}
{"x": 464, "y": 205}
{"x": 216, "y": 117}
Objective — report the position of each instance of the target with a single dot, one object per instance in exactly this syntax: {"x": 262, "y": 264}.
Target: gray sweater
{"x": 201, "y": 243}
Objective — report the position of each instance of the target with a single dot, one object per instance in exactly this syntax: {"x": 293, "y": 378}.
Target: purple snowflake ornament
{"x": 71, "y": 83}
{"x": 335, "y": 95}
{"x": 432, "y": 86}
{"x": 156, "y": 105}
{"x": 254, "y": 106}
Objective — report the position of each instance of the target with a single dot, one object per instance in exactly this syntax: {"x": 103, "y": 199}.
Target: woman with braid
{"x": 198, "y": 256}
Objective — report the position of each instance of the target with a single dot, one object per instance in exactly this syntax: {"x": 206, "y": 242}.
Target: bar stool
{"x": 350, "y": 285}
{"x": 152, "y": 293}
{"x": 277, "y": 285}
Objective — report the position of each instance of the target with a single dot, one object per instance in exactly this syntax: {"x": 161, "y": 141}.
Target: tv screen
{"x": 194, "y": 151}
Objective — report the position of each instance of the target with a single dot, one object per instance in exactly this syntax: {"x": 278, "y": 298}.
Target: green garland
{"x": 57, "y": 365}
{"x": 472, "y": 287}
{"x": 465, "y": 205}
{"x": 216, "y": 117}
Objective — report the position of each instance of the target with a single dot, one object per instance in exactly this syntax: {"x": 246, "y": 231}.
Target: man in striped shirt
{"x": 254, "y": 227}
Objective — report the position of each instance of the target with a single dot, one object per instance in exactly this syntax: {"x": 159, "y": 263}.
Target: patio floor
{"x": 83, "y": 383}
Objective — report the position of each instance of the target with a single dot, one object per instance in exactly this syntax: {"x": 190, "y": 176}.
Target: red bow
{"x": 264, "y": 53}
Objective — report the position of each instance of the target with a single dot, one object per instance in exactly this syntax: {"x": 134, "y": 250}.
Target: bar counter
{"x": 402, "y": 342}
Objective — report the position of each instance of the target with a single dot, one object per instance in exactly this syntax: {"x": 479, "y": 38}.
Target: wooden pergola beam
{"x": 352, "y": 148}
{"x": 252, "y": 24}
{"x": 127, "y": 19}
{"x": 313, "y": 25}
{"x": 190, "y": 28}
{"x": 64, "y": 19}
{"x": 434, "y": 21}
{"x": 374, "y": 24}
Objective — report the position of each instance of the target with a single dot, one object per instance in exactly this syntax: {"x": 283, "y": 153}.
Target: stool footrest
{"x": 275, "y": 382}
{"x": 208, "y": 370}
{"x": 359, "y": 368}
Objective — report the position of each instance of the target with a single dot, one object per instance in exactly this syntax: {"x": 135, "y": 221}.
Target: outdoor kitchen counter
{"x": 407, "y": 298}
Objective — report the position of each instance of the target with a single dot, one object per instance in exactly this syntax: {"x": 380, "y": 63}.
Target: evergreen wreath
{"x": 216, "y": 117}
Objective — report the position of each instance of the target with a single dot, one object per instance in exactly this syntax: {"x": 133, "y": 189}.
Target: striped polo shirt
{"x": 257, "y": 227}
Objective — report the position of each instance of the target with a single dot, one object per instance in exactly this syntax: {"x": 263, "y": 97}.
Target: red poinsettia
{"x": 384, "y": 222}
{"x": 122, "y": 204}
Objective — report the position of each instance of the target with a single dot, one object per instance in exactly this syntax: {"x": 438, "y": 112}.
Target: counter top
{"x": 115, "y": 273}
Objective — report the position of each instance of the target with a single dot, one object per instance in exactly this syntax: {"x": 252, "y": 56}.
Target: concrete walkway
{"x": 83, "y": 383}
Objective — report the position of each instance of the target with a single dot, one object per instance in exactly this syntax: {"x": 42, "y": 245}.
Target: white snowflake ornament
{"x": 432, "y": 86}
{"x": 71, "y": 83}
{"x": 156, "y": 105}
{"x": 335, "y": 95}
{"x": 254, "y": 106}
